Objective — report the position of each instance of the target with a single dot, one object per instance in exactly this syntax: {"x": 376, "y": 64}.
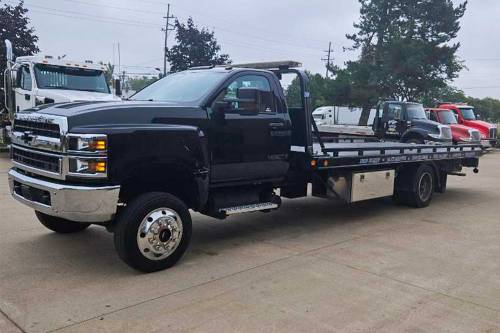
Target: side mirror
{"x": 478, "y": 116}
{"x": 247, "y": 95}
{"x": 118, "y": 88}
{"x": 14, "y": 74}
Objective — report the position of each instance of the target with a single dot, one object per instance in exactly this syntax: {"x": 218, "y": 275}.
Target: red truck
{"x": 466, "y": 116}
{"x": 460, "y": 133}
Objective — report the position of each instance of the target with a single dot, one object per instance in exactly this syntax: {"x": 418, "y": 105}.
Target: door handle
{"x": 276, "y": 125}
{"x": 27, "y": 97}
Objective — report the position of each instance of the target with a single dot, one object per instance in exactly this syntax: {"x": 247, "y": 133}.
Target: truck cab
{"x": 326, "y": 115}
{"x": 460, "y": 133}
{"x": 41, "y": 79}
{"x": 465, "y": 115}
{"x": 407, "y": 122}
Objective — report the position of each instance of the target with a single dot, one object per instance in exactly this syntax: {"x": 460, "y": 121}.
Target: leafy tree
{"x": 406, "y": 48}
{"x": 195, "y": 47}
{"x": 324, "y": 91}
{"x": 138, "y": 83}
{"x": 108, "y": 74}
{"x": 14, "y": 26}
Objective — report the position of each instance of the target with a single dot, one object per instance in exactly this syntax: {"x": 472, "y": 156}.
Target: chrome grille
{"x": 33, "y": 159}
{"x": 446, "y": 132}
{"x": 493, "y": 133}
{"x": 37, "y": 128}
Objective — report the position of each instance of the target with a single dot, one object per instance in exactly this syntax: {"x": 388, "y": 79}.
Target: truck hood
{"x": 62, "y": 95}
{"x": 425, "y": 124}
{"x": 480, "y": 125}
{"x": 112, "y": 114}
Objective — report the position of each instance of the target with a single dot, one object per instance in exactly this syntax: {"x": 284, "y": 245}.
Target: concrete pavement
{"x": 311, "y": 266}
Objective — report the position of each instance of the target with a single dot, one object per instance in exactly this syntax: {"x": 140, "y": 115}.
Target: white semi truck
{"x": 35, "y": 80}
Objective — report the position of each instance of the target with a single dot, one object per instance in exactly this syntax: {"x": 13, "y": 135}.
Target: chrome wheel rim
{"x": 159, "y": 233}
{"x": 425, "y": 186}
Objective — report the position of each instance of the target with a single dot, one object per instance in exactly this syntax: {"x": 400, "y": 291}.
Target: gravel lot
{"x": 312, "y": 266}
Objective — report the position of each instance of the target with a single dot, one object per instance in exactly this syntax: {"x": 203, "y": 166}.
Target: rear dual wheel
{"x": 415, "y": 186}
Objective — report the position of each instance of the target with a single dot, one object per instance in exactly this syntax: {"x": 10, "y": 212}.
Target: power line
{"x": 88, "y": 18}
{"x": 281, "y": 41}
{"x": 93, "y": 17}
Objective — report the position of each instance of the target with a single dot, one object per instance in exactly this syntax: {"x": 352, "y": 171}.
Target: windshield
{"x": 188, "y": 86}
{"x": 70, "y": 78}
{"x": 447, "y": 117}
{"x": 415, "y": 111}
{"x": 468, "y": 113}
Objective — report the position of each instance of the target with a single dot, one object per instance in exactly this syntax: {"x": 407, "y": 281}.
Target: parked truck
{"x": 31, "y": 81}
{"x": 407, "y": 122}
{"x": 466, "y": 116}
{"x": 393, "y": 121}
{"x": 460, "y": 133}
{"x": 217, "y": 140}
{"x": 331, "y": 120}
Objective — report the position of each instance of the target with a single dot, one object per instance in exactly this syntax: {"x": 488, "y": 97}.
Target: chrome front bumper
{"x": 75, "y": 203}
{"x": 488, "y": 143}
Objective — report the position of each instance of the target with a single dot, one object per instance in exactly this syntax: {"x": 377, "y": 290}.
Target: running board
{"x": 248, "y": 208}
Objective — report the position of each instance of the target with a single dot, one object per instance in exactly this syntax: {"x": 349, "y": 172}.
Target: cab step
{"x": 248, "y": 208}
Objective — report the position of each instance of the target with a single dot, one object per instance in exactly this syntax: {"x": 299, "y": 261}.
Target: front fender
{"x": 158, "y": 155}
{"x": 413, "y": 132}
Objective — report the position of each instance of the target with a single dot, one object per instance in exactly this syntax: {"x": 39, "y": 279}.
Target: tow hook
{"x": 476, "y": 170}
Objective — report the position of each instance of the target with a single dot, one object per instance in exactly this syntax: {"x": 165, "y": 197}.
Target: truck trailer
{"x": 216, "y": 140}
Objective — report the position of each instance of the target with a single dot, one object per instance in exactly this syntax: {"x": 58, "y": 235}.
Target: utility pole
{"x": 168, "y": 27}
{"x": 328, "y": 59}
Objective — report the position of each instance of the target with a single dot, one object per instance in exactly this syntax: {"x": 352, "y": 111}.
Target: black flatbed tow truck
{"x": 217, "y": 140}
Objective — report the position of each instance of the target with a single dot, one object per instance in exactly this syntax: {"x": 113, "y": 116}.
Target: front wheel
{"x": 153, "y": 232}
{"x": 60, "y": 225}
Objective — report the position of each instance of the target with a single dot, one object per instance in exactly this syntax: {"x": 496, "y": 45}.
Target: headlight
{"x": 87, "y": 143}
{"x": 94, "y": 167}
{"x": 444, "y": 133}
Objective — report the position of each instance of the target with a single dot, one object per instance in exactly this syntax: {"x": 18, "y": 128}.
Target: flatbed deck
{"x": 355, "y": 154}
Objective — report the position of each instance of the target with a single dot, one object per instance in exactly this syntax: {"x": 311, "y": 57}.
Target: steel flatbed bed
{"x": 356, "y": 154}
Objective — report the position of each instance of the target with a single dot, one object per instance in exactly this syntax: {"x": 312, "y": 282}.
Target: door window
{"x": 394, "y": 111}
{"x": 25, "y": 78}
{"x": 432, "y": 116}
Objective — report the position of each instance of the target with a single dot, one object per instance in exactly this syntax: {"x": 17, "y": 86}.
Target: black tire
{"x": 443, "y": 183}
{"x": 415, "y": 186}
{"x": 60, "y": 225}
{"x": 415, "y": 140}
{"x": 126, "y": 231}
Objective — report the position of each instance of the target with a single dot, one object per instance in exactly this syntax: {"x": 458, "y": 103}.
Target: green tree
{"x": 138, "y": 83}
{"x": 324, "y": 91}
{"x": 14, "y": 26}
{"x": 406, "y": 47}
{"x": 195, "y": 47}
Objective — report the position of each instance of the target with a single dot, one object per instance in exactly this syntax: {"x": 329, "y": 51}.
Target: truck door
{"x": 25, "y": 98}
{"x": 250, "y": 139}
{"x": 392, "y": 122}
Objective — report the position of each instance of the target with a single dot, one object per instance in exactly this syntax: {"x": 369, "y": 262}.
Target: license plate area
{"x": 31, "y": 193}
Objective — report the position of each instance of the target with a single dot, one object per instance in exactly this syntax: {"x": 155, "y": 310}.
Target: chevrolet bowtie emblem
{"x": 27, "y": 137}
